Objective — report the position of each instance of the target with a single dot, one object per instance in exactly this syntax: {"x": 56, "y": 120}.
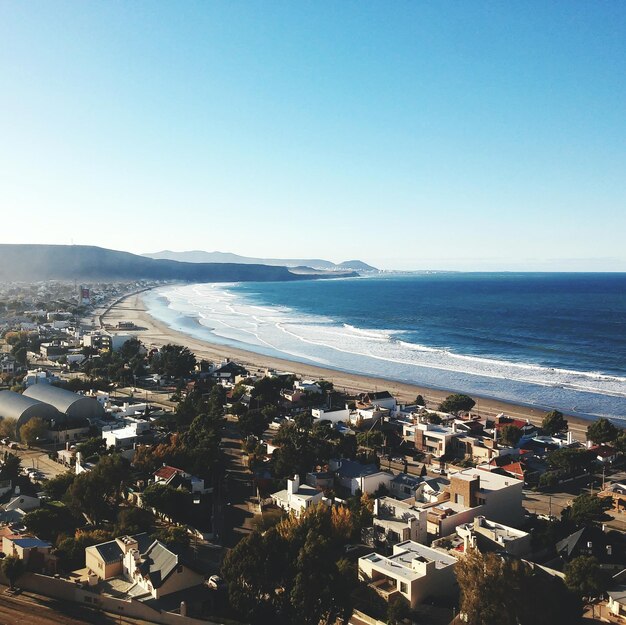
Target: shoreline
{"x": 156, "y": 333}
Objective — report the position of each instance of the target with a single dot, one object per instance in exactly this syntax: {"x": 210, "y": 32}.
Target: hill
{"x": 198, "y": 256}
{"x": 32, "y": 263}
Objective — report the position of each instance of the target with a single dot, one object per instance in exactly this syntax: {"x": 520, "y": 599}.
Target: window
{"x": 404, "y": 588}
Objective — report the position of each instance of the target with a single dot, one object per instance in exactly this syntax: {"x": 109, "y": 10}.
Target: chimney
{"x": 570, "y": 437}
{"x": 293, "y": 485}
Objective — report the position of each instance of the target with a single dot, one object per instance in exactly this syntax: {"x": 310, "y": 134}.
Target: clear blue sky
{"x": 475, "y": 135}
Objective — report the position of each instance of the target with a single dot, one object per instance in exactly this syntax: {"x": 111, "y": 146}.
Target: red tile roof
{"x": 166, "y": 472}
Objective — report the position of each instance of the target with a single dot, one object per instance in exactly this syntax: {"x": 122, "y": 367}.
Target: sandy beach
{"x": 152, "y": 332}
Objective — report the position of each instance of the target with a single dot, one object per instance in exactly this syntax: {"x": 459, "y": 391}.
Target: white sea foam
{"x": 232, "y": 317}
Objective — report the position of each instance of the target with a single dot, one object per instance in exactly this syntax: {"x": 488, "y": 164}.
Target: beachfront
{"x": 152, "y": 332}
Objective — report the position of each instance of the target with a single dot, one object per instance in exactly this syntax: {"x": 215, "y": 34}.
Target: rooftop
{"x": 400, "y": 564}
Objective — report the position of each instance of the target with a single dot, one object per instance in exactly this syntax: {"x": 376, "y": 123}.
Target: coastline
{"x": 153, "y": 332}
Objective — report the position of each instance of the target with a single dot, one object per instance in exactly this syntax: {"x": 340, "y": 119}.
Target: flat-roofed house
{"x": 413, "y": 571}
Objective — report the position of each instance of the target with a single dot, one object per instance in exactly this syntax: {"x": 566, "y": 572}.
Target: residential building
{"x": 8, "y": 364}
{"x": 154, "y": 569}
{"x": 177, "y": 478}
{"x": 404, "y": 486}
{"x": 34, "y": 552}
{"x": 334, "y": 415}
{"x": 476, "y": 492}
{"x": 413, "y": 571}
{"x": 434, "y": 439}
{"x": 397, "y": 521}
{"x": 381, "y": 399}
{"x": 617, "y": 492}
{"x": 354, "y": 476}
{"x": 126, "y": 436}
{"x": 617, "y": 602}
{"x": 487, "y": 535}
{"x": 157, "y": 571}
{"x": 297, "y": 497}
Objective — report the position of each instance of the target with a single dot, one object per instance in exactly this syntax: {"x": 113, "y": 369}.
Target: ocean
{"x": 538, "y": 339}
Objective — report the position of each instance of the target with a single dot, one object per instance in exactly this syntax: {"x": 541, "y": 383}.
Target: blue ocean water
{"x": 549, "y": 340}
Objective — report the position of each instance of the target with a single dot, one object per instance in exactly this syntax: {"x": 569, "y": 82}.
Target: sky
{"x": 411, "y": 135}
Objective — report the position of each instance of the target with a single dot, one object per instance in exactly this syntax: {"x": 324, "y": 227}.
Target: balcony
{"x": 385, "y": 587}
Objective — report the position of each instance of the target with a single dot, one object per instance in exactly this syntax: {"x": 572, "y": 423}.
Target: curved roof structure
{"x": 15, "y": 406}
{"x": 65, "y": 401}
{"x": 23, "y": 409}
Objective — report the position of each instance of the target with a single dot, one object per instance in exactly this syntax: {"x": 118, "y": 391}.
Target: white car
{"x": 214, "y": 582}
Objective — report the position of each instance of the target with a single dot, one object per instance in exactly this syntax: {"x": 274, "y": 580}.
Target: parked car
{"x": 215, "y": 582}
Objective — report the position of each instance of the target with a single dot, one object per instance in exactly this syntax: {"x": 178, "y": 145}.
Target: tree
{"x": 370, "y": 439}
{"x": 316, "y": 595}
{"x": 433, "y": 418}
{"x": 496, "y": 591}
{"x": 7, "y": 427}
{"x": 587, "y": 509}
{"x": 171, "y": 502}
{"x": 56, "y": 487}
{"x": 174, "y": 537}
{"x": 175, "y": 361}
{"x": 48, "y": 523}
{"x": 255, "y": 573}
{"x": 253, "y": 422}
{"x": 12, "y": 567}
{"x": 91, "y": 447}
{"x": 423, "y": 472}
{"x": 554, "y": 423}
{"x": 571, "y": 461}
{"x": 583, "y": 576}
{"x": 397, "y": 611}
{"x": 131, "y": 349}
{"x": 457, "y": 403}
{"x": 32, "y": 430}
{"x": 602, "y": 431}
{"x": 133, "y": 521}
{"x": 94, "y": 493}
{"x": 10, "y": 469}
{"x": 420, "y": 401}
{"x": 510, "y": 435}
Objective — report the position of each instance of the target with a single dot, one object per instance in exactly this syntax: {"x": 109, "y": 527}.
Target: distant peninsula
{"x": 198, "y": 256}
{"x": 32, "y": 263}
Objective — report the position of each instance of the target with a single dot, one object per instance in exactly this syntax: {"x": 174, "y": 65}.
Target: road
{"x": 554, "y": 503}
{"x": 37, "y": 459}
{"x": 236, "y": 492}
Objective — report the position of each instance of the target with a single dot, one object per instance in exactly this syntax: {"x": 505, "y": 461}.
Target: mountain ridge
{"x": 34, "y": 262}
{"x": 198, "y": 256}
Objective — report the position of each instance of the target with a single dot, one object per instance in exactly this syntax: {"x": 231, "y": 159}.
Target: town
{"x": 144, "y": 483}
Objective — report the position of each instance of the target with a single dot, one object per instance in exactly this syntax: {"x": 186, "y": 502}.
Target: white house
{"x": 354, "y": 476}
{"x": 398, "y": 521}
{"x": 413, "y": 571}
{"x": 334, "y": 415}
{"x": 297, "y": 497}
{"x": 487, "y": 535}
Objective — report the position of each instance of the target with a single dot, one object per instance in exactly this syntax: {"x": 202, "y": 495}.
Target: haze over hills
{"x": 31, "y": 263}
{"x": 199, "y": 256}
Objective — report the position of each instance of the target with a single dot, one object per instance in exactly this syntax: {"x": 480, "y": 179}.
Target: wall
{"x": 69, "y": 591}
{"x": 371, "y": 483}
{"x": 94, "y": 562}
